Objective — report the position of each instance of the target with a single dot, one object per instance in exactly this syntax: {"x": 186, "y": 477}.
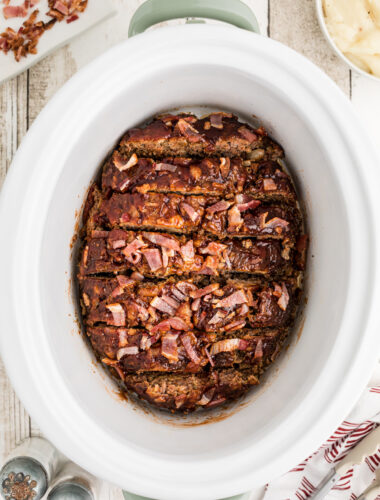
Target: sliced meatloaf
{"x": 241, "y": 216}
{"x": 189, "y": 391}
{"x": 192, "y": 260}
{"x": 218, "y": 134}
{"x": 164, "y": 254}
{"x": 138, "y": 350}
{"x": 210, "y": 176}
{"x": 183, "y": 306}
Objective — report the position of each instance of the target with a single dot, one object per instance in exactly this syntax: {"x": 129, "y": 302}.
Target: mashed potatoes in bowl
{"x": 354, "y": 27}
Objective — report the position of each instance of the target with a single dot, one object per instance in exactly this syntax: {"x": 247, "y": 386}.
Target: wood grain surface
{"x": 292, "y": 22}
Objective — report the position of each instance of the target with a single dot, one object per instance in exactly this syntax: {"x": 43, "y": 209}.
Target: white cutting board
{"x": 60, "y": 34}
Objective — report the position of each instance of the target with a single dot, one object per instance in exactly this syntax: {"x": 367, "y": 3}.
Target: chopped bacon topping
{"x": 169, "y": 347}
{"x": 195, "y": 304}
{"x": 218, "y": 316}
{"x": 186, "y": 340}
{"x": 259, "y": 349}
{"x": 172, "y": 302}
{"x": 225, "y": 164}
{"x": 247, "y": 134}
{"x": 178, "y": 294}
{"x": 61, "y": 7}
{"x": 228, "y": 345}
{"x": 189, "y": 131}
{"x": 25, "y": 40}
{"x": 10, "y": 11}
{"x": 130, "y": 250}
{"x": 245, "y": 202}
{"x": 127, "y": 351}
{"x": 232, "y": 300}
{"x": 191, "y": 212}
{"x": 209, "y": 357}
{"x": 72, "y": 18}
{"x": 235, "y": 325}
{"x": 161, "y": 305}
{"x": 175, "y": 323}
{"x": 269, "y": 185}
{"x": 206, "y": 397}
{"x": 216, "y": 402}
{"x": 153, "y": 258}
{"x": 187, "y": 251}
{"x": 219, "y": 206}
{"x": 234, "y": 219}
{"x": 162, "y": 241}
{"x": 121, "y": 165}
{"x": 166, "y": 166}
{"x": 216, "y": 120}
{"x": 123, "y": 337}
{"x": 195, "y": 294}
{"x": 283, "y": 301}
{"x": 99, "y": 234}
{"x": 213, "y": 248}
{"x": 276, "y": 223}
{"x": 118, "y": 314}
{"x": 137, "y": 276}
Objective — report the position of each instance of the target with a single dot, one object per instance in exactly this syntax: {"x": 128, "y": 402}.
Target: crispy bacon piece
{"x": 228, "y": 346}
{"x": 153, "y": 258}
{"x": 196, "y": 294}
{"x": 163, "y": 241}
{"x": 174, "y": 323}
{"x": 10, "y": 11}
{"x": 186, "y": 340}
{"x": 189, "y": 131}
{"x": 118, "y": 314}
{"x": 247, "y": 134}
{"x": 169, "y": 347}
{"x": 232, "y": 300}
{"x": 219, "y": 207}
{"x": 162, "y": 305}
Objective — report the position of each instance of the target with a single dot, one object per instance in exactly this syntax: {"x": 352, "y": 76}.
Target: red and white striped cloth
{"x": 300, "y": 482}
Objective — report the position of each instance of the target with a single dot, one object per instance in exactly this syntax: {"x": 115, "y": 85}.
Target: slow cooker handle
{"x": 156, "y": 11}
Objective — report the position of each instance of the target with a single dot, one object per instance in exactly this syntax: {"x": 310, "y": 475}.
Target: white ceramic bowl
{"x": 333, "y": 45}
{"x": 319, "y": 378}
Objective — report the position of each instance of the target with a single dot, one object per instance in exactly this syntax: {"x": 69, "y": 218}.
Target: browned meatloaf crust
{"x": 192, "y": 261}
{"x": 219, "y": 134}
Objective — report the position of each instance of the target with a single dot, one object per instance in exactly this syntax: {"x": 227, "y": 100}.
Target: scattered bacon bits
{"x": 25, "y": 40}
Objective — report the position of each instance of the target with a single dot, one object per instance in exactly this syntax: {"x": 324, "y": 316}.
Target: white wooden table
{"x": 292, "y": 22}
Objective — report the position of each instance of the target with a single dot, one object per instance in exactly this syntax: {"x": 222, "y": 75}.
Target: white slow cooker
{"x": 330, "y": 358}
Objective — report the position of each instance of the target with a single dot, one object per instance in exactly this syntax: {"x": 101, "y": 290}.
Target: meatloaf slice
{"x": 139, "y": 351}
{"x": 188, "y": 391}
{"x": 182, "y": 305}
{"x": 210, "y": 176}
{"x": 161, "y": 255}
{"x": 242, "y": 216}
{"x": 219, "y": 134}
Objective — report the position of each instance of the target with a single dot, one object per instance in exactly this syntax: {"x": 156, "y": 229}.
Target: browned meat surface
{"x": 193, "y": 253}
{"x": 211, "y": 176}
{"x": 183, "y": 306}
{"x": 241, "y": 216}
{"x": 162, "y": 255}
{"x": 189, "y": 391}
{"x": 219, "y": 134}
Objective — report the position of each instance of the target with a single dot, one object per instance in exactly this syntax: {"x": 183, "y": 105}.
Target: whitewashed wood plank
{"x": 14, "y": 421}
{"x": 294, "y": 23}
